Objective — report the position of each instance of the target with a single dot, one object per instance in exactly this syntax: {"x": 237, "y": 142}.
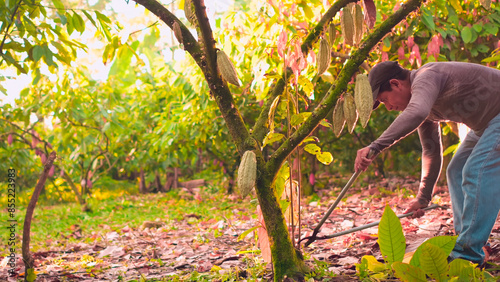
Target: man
{"x": 447, "y": 91}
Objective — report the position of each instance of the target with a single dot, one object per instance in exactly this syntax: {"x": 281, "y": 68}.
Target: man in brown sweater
{"x": 447, "y": 91}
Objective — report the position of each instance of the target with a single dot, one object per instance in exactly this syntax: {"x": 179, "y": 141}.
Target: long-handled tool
{"x": 433, "y": 206}
{"x": 312, "y": 238}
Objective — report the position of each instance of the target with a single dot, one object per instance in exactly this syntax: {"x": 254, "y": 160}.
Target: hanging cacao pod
{"x": 226, "y": 68}
{"x": 332, "y": 32}
{"x": 324, "y": 56}
{"x": 177, "y": 32}
{"x": 347, "y": 25}
{"x": 10, "y": 139}
{"x": 363, "y": 98}
{"x": 247, "y": 173}
{"x": 358, "y": 17}
{"x": 351, "y": 116}
{"x": 338, "y": 117}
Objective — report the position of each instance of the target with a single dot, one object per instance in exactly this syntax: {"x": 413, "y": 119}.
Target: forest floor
{"x": 208, "y": 247}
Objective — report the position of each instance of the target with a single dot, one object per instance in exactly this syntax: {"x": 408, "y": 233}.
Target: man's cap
{"x": 381, "y": 73}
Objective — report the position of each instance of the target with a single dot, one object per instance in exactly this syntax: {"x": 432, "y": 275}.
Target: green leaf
{"x": 307, "y": 11}
{"x": 325, "y": 158}
{"x": 106, "y": 127}
{"x": 58, "y": 4}
{"x": 63, "y": 18}
{"x": 446, "y": 243}
{"x": 450, "y": 149}
{"x": 456, "y": 5}
{"x": 299, "y": 118}
{"x": 408, "y": 273}
{"x": 428, "y": 19}
{"x": 312, "y": 149}
{"x": 495, "y": 58}
{"x": 37, "y": 53}
{"x": 307, "y": 85}
{"x": 89, "y": 17}
{"x": 272, "y": 137}
{"x": 390, "y": 237}
{"x": 373, "y": 264}
{"x": 433, "y": 261}
{"x": 31, "y": 275}
{"x": 464, "y": 270}
{"x": 78, "y": 23}
{"x": 466, "y": 34}
{"x": 246, "y": 232}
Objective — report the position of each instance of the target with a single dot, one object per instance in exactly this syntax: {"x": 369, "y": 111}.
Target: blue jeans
{"x": 474, "y": 183}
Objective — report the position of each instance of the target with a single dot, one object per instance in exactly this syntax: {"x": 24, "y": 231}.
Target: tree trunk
{"x": 81, "y": 199}
{"x": 29, "y": 261}
{"x": 142, "y": 182}
{"x": 286, "y": 260}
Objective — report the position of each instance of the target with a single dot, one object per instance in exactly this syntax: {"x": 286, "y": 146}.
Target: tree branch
{"x": 205, "y": 31}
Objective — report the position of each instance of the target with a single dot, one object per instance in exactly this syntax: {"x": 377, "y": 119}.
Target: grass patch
{"x": 113, "y": 208}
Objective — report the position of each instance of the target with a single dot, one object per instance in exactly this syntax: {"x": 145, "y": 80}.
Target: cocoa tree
{"x": 286, "y": 261}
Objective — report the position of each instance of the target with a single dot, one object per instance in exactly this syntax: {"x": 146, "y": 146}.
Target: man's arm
{"x": 432, "y": 160}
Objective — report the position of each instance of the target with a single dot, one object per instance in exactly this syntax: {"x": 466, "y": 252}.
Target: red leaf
{"x": 311, "y": 179}
{"x": 282, "y": 39}
{"x": 370, "y": 13}
{"x": 401, "y": 53}
{"x": 415, "y": 50}
{"x": 265, "y": 248}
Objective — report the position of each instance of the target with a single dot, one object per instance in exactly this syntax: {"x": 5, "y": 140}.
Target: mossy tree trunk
{"x": 286, "y": 261}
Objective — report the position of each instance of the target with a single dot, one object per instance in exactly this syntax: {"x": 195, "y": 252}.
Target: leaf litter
{"x": 195, "y": 244}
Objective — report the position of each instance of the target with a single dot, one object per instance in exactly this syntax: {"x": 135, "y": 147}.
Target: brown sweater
{"x": 444, "y": 91}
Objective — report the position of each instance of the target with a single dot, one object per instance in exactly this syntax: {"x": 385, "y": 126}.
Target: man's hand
{"x": 362, "y": 161}
{"x": 416, "y": 207}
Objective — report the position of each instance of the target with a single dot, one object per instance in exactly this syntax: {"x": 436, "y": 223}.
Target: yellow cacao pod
{"x": 363, "y": 98}
{"x": 332, "y": 32}
{"x": 226, "y": 68}
{"x": 351, "y": 116}
{"x": 324, "y": 56}
{"x": 338, "y": 120}
{"x": 247, "y": 173}
{"x": 347, "y": 25}
{"x": 177, "y": 32}
{"x": 358, "y": 17}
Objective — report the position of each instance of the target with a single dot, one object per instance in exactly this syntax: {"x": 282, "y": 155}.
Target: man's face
{"x": 397, "y": 98}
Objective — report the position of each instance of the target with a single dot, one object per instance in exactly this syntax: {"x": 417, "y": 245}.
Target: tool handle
{"x": 340, "y": 196}
{"x": 433, "y": 206}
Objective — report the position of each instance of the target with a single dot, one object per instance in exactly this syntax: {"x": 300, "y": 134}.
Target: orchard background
{"x": 141, "y": 117}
